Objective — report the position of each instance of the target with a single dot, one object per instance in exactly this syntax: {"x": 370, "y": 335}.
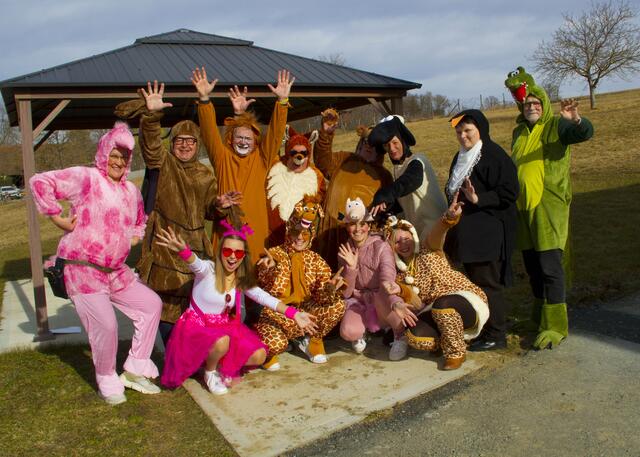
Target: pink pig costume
{"x": 109, "y": 214}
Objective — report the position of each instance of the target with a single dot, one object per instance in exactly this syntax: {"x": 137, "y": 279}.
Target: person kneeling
{"x": 297, "y": 275}
{"x": 211, "y": 331}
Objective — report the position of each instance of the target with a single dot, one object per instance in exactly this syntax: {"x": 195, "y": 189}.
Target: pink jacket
{"x": 108, "y": 214}
{"x": 376, "y": 264}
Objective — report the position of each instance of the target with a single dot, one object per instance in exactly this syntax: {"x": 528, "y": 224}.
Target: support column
{"x": 35, "y": 245}
{"x": 397, "y": 106}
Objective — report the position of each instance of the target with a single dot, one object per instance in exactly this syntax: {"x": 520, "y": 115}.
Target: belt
{"x": 89, "y": 264}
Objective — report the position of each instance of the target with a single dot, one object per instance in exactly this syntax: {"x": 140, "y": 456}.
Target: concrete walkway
{"x": 295, "y": 406}
{"x": 18, "y": 324}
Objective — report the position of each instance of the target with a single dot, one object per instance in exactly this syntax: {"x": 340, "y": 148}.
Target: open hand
{"x": 379, "y": 208}
{"x": 228, "y": 199}
{"x": 153, "y": 97}
{"x": 409, "y": 319}
{"x": 239, "y": 99}
{"x": 306, "y": 322}
{"x": 202, "y": 84}
{"x": 569, "y": 110}
{"x": 170, "y": 240}
{"x": 283, "y": 87}
{"x": 348, "y": 254}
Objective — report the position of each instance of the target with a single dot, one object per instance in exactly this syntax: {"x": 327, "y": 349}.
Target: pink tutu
{"x": 192, "y": 338}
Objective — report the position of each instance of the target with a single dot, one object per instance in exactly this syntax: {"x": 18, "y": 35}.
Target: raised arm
{"x": 275, "y": 132}
{"x": 572, "y": 128}
{"x": 323, "y": 156}
{"x": 153, "y": 151}
{"x": 435, "y": 239}
{"x": 207, "y": 117}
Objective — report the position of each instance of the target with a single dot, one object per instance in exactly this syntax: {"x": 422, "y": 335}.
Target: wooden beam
{"x": 51, "y": 116}
{"x": 381, "y": 106}
{"x": 193, "y": 95}
{"x": 44, "y": 138}
{"x": 35, "y": 246}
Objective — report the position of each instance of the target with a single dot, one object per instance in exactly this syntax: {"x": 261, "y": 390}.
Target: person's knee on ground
{"x": 257, "y": 358}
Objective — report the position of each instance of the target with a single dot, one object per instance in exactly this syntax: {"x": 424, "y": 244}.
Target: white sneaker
{"x": 215, "y": 383}
{"x": 139, "y": 383}
{"x": 303, "y": 345}
{"x": 359, "y": 345}
{"x": 114, "y": 399}
{"x": 398, "y": 349}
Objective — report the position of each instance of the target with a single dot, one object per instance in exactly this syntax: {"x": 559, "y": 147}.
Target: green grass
{"x": 48, "y": 401}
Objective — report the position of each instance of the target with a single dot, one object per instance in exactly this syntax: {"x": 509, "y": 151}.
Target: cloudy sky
{"x": 456, "y": 48}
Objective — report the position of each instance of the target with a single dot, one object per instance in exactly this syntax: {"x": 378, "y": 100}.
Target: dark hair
{"x": 469, "y": 120}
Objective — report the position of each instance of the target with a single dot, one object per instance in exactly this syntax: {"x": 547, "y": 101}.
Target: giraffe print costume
{"x": 318, "y": 296}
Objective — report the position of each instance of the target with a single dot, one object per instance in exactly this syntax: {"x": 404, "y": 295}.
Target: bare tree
{"x": 604, "y": 41}
{"x": 336, "y": 58}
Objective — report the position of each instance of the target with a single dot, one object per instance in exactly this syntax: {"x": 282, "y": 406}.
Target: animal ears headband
{"x": 393, "y": 223}
{"x": 243, "y": 233}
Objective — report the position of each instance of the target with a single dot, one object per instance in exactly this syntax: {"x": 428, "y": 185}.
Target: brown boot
{"x": 451, "y": 330}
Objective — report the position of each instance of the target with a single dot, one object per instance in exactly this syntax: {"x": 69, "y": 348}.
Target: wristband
{"x": 290, "y": 312}
{"x": 284, "y": 101}
{"x": 185, "y": 253}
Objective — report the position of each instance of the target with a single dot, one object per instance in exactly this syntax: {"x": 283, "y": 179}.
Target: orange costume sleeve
{"x": 244, "y": 174}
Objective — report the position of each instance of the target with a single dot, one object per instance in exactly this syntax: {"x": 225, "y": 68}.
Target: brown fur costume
{"x": 349, "y": 176}
{"x": 185, "y": 197}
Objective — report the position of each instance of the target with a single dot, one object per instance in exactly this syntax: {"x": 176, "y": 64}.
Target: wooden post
{"x": 35, "y": 245}
{"x": 397, "y": 106}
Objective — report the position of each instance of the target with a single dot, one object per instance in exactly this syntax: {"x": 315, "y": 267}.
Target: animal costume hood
{"x": 384, "y": 132}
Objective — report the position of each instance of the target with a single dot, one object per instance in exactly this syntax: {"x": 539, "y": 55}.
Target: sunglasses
{"x": 239, "y": 253}
{"x": 304, "y": 152}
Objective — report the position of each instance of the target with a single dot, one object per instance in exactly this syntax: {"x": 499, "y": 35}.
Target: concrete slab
{"x": 268, "y": 413}
{"x": 18, "y": 324}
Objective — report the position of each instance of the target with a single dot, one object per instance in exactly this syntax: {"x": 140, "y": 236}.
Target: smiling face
{"x": 468, "y": 134}
{"x": 244, "y": 141}
{"x": 235, "y": 250}
{"x": 532, "y": 109}
{"x": 394, "y": 148}
{"x": 299, "y": 238}
{"x": 403, "y": 244}
{"x": 117, "y": 164}
{"x": 358, "y": 232}
{"x": 298, "y": 158}
{"x": 185, "y": 147}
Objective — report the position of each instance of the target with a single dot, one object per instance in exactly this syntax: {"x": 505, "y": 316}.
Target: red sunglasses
{"x": 239, "y": 253}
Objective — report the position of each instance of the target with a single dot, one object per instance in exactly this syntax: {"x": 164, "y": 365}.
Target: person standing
{"x": 542, "y": 154}
{"x": 485, "y": 178}
{"x": 106, "y": 218}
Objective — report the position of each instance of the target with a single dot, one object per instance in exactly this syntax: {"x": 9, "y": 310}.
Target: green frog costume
{"x": 542, "y": 156}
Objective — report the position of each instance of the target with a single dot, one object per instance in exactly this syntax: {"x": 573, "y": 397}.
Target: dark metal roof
{"x": 170, "y": 57}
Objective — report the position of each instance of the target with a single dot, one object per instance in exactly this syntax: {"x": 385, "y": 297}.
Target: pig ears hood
{"x": 118, "y": 137}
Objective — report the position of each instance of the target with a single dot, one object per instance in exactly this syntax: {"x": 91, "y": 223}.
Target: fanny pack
{"x": 55, "y": 274}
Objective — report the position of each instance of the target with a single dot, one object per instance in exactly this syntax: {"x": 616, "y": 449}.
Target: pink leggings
{"x": 368, "y": 312}
{"x": 143, "y": 307}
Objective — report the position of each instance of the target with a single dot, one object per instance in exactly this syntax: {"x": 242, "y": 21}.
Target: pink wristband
{"x": 185, "y": 253}
{"x": 290, "y": 312}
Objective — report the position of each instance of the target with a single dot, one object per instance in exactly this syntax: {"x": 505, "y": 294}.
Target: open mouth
{"x": 520, "y": 93}
{"x": 242, "y": 149}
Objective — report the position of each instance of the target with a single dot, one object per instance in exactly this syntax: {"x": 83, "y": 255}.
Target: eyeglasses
{"x": 239, "y": 253}
{"x": 187, "y": 141}
{"x": 532, "y": 104}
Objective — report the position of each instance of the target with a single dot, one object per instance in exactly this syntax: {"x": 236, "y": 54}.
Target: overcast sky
{"x": 456, "y": 48}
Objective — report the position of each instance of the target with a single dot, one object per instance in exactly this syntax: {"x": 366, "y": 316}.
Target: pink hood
{"x": 118, "y": 136}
